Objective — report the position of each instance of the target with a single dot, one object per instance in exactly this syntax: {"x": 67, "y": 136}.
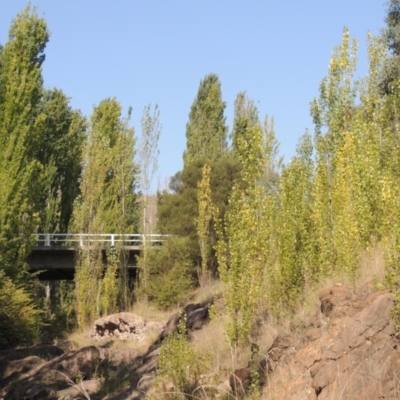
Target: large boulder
{"x": 124, "y": 325}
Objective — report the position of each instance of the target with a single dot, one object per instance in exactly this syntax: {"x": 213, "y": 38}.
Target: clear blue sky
{"x": 157, "y": 51}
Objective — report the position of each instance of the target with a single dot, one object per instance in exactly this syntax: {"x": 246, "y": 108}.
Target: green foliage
{"x": 20, "y": 127}
{"x": 169, "y": 273}
{"x": 206, "y": 130}
{"x": 109, "y": 284}
{"x": 88, "y": 273}
{"x": 178, "y": 211}
{"x": 245, "y": 253}
{"x": 20, "y": 319}
{"x": 178, "y": 363}
{"x": 246, "y": 115}
{"x": 294, "y": 229}
{"x": 206, "y": 211}
{"x": 60, "y": 154}
{"x": 332, "y": 111}
{"x": 107, "y": 205}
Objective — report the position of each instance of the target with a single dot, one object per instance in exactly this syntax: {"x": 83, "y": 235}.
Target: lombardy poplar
{"x": 294, "y": 229}
{"x": 20, "y": 127}
{"x": 107, "y": 205}
{"x": 331, "y": 111}
{"x": 60, "y": 154}
{"x": 244, "y": 256}
{"x": 206, "y": 130}
{"x": 203, "y": 221}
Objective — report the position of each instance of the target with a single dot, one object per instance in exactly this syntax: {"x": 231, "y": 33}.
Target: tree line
{"x": 236, "y": 211}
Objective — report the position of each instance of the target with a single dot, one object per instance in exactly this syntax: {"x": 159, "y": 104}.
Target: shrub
{"x": 179, "y": 364}
{"x": 169, "y": 280}
{"x": 19, "y": 317}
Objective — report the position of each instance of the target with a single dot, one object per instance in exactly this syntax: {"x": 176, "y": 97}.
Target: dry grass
{"x": 150, "y": 312}
{"x": 213, "y": 288}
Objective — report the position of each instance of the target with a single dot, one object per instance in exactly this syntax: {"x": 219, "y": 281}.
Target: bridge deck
{"x": 55, "y": 254}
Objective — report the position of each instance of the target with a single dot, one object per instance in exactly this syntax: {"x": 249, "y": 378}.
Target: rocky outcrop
{"x": 349, "y": 350}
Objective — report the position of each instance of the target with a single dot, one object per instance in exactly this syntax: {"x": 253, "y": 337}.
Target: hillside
{"x": 342, "y": 346}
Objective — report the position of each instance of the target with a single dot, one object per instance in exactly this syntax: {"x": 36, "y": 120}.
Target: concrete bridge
{"x": 54, "y": 254}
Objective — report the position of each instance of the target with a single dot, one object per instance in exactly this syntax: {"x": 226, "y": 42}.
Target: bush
{"x": 168, "y": 267}
{"x": 19, "y": 317}
{"x": 179, "y": 364}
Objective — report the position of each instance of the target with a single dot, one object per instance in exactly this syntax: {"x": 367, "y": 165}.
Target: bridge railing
{"x": 103, "y": 239}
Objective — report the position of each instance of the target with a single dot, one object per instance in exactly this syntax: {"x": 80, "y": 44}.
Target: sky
{"x": 157, "y": 51}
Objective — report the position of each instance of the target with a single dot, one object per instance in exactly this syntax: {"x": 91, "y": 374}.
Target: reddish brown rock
{"x": 355, "y": 355}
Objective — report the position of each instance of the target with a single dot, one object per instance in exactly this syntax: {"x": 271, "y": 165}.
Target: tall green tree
{"x": 331, "y": 113}
{"x": 245, "y": 115}
{"x": 294, "y": 227}
{"x": 21, "y": 124}
{"x": 148, "y": 161}
{"x": 60, "y": 154}
{"x": 206, "y": 131}
{"x": 107, "y": 205}
{"x": 244, "y": 248}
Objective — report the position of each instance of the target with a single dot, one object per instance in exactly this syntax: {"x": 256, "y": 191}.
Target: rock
{"x": 123, "y": 326}
{"x": 241, "y": 379}
{"x": 332, "y": 297}
{"x": 281, "y": 346}
{"x": 82, "y": 389}
{"x": 355, "y": 355}
{"x": 72, "y": 366}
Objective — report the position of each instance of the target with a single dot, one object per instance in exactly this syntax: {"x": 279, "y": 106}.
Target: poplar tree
{"x": 206, "y": 131}
{"x": 148, "y": 162}
{"x": 331, "y": 113}
{"x": 107, "y": 205}
{"x": 20, "y": 127}
{"x": 203, "y": 223}
{"x": 60, "y": 154}
{"x": 294, "y": 228}
{"x": 244, "y": 249}
{"x": 245, "y": 115}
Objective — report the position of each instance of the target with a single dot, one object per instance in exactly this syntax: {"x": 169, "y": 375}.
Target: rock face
{"x": 348, "y": 351}
{"x": 123, "y": 326}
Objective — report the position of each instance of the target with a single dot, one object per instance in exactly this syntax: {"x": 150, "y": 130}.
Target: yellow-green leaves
{"x": 243, "y": 258}
{"x": 203, "y": 221}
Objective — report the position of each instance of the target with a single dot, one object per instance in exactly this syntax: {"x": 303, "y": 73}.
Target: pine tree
{"x": 206, "y": 132}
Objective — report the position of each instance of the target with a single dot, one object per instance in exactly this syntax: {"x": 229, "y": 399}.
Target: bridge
{"x": 54, "y": 254}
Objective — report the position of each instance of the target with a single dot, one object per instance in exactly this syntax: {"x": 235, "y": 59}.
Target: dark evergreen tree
{"x": 178, "y": 210}
{"x": 391, "y": 36}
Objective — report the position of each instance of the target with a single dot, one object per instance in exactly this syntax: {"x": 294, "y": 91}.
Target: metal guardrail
{"x": 90, "y": 239}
